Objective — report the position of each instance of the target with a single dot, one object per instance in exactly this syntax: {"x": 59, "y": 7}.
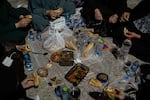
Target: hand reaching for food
{"x": 127, "y": 33}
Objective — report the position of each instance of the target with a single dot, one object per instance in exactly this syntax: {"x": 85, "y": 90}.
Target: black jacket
{"x": 9, "y": 16}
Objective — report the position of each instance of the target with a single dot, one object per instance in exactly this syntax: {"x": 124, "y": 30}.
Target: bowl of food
{"x": 102, "y": 77}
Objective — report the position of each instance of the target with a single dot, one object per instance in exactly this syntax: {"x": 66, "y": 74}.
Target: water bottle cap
{"x": 101, "y": 41}
{"x": 129, "y": 38}
{"x": 126, "y": 77}
{"x": 31, "y": 32}
{"x": 26, "y": 56}
{"x": 65, "y": 89}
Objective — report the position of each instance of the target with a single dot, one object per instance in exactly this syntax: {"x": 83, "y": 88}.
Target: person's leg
{"x": 118, "y": 36}
{"x": 17, "y": 36}
{"x": 39, "y": 22}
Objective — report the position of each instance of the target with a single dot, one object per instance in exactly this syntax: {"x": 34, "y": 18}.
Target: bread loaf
{"x": 28, "y": 16}
{"x": 87, "y": 49}
{"x": 36, "y": 79}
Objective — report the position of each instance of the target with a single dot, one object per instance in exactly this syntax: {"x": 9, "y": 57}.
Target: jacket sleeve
{"x": 145, "y": 36}
{"x": 11, "y": 26}
{"x": 8, "y": 28}
{"x": 35, "y": 7}
{"x": 16, "y": 12}
{"x": 62, "y": 4}
{"x": 144, "y": 8}
{"x": 121, "y": 7}
{"x": 20, "y": 91}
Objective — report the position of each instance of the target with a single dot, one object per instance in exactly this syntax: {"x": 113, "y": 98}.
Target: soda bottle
{"x": 65, "y": 94}
{"x": 124, "y": 50}
{"x": 67, "y": 19}
{"x": 75, "y": 92}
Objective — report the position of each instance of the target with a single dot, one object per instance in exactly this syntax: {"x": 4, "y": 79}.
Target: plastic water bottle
{"x": 38, "y": 36}
{"x": 28, "y": 63}
{"x": 133, "y": 69}
{"x": 75, "y": 92}
{"x": 31, "y": 36}
{"x": 124, "y": 50}
{"x": 134, "y": 66}
{"x": 99, "y": 47}
{"x": 65, "y": 94}
{"x": 67, "y": 18}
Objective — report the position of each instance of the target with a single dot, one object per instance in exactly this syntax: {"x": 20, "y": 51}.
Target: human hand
{"x": 21, "y": 16}
{"x": 27, "y": 82}
{"x": 132, "y": 35}
{"x": 125, "y": 17}
{"x": 23, "y": 22}
{"x": 59, "y": 11}
{"x": 120, "y": 94}
{"x": 52, "y": 14}
{"x": 113, "y": 19}
{"x": 98, "y": 14}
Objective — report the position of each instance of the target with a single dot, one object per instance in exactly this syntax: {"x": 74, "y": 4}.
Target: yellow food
{"x": 93, "y": 35}
{"x": 29, "y": 16}
{"x": 111, "y": 93}
{"x": 125, "y": 30}
{"x": 36, "y": 79}
{"x": 70, "y": 45}
{"x": 95, "y": 82}
{"x": 87, "y": 49}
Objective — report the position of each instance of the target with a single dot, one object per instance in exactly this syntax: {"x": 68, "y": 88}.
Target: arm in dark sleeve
{"x": 35, "y": 7}
{"x": 145, "y": 36}
{"x": 62, "y": 4}
{"x": 7, "y": 28}
{"x": 16, "y": 12}
{"x": 21, "y": 92}
{"x": 91, "y": 4}
{"x": 122, "y": 7}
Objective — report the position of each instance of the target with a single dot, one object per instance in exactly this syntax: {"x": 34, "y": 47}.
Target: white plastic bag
{"x": 54, "y": 42}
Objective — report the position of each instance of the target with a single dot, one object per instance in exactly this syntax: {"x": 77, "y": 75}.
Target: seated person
{"x": 137, "y": 22}
{"x": 143, "y": 89}
{"x": 13, "y": 80}
{"x": 45, "y": 10}
{"x": 14, "y": 24}
{"x": 99, "y": 10}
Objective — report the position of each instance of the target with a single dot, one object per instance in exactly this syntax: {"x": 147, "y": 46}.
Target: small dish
{"x": 102, "y": 77}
